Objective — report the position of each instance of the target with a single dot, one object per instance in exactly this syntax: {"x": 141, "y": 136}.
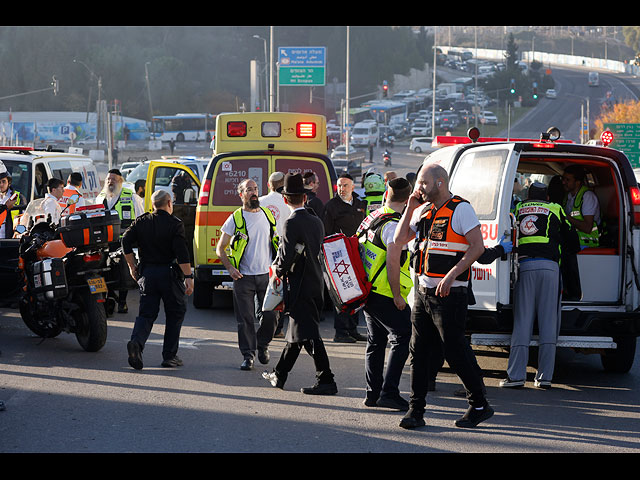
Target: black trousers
{"x": 316, "y": 349}
{"x": 438, "y": 325}
{"x": 159, "y": 282}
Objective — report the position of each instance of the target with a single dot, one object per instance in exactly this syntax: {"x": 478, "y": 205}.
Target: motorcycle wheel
{"x": 91, "y": 321}
{"x": 44, "y": 327}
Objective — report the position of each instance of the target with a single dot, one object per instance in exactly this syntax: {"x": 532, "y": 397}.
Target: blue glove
{"x": 506, "y": 244}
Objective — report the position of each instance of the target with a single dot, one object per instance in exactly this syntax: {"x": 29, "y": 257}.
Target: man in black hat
{"x": 298, "y": 265}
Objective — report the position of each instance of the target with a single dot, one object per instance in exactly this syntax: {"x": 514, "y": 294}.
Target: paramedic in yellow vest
{"x": 251, "y": 236}
{"x": 387, "y": 315}
{"x": 10, "y": 201}
{"x": 581, "y": 206}
{"x": 74, "y": 184}
{"x": 449, "y": 240}
{"x": 114, "y": 196}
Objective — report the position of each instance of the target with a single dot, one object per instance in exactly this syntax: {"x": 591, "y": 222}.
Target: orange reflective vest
{"x": 440, "y": 247}
{"x": 65, "y": 197}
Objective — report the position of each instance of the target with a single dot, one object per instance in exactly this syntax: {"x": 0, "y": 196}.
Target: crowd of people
{"x": 420, "y": 237}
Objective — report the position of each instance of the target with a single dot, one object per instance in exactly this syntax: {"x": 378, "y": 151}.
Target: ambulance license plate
{"x": 97, "y": 285}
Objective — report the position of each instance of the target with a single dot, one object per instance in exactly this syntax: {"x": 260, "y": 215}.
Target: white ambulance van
{"x": 31, "y": 169}
{"x": 606, "y": 319}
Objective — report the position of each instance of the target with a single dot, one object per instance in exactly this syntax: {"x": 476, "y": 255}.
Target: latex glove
{"x": 506, "y": 244}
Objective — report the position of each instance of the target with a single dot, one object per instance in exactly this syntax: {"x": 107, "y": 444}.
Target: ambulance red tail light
{"x": 606, "y": 138}
{"x": 306, "y": 130}
{"x": 203, "y": 198}
{"x": 237, "y": 129}
{"x": 635, "y": 204}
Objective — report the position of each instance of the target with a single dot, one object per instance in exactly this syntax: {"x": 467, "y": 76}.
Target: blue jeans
{"x": 439, "y": 323}
{"x": 385, "y": 325}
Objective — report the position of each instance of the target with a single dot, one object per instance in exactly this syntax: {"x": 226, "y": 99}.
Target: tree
{"x": 625, "y": 112}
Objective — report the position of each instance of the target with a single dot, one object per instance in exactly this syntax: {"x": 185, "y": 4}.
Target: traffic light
{"x": 535, "y": 91}
{"x": 513, "y": 86}
{"x": 385, "y": 89}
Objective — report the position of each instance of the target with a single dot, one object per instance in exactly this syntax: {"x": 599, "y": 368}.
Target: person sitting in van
{"x": 581, "y": 206}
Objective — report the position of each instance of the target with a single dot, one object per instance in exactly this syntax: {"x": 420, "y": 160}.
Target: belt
{"x": 432, "y": 290}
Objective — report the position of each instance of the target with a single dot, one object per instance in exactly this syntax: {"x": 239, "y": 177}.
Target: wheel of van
{"x": 620, "y": 360}
{"x": 91, "y": 321}
{"x": 202, "y": 294}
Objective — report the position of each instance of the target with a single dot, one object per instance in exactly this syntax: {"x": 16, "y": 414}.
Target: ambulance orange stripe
{"x": 211, "y": 218}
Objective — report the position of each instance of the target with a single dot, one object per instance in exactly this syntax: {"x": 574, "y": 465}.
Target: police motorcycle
{"x": 386, "y": 158}
{"x": 64, "y": 268}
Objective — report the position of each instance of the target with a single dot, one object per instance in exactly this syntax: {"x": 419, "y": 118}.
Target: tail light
{"x": 203, "y": 198}
{"x": 92, "y": 257}
{"x": 635, "y": 204}
{"x": 306, "y": 130}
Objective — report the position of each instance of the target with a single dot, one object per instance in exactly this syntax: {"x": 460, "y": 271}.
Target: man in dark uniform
{"x": 344, "y": 213}
{"x": 161, "y": 243}
{"x": 303, "y": 286}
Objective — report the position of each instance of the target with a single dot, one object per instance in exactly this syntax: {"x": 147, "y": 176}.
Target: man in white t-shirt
{"x": 250, "y": 233}
{"x": 449, "y": 242}
{"x": 274, "y": 201}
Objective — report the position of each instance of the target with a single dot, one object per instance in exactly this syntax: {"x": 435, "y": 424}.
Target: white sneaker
{"x": 507, "y": 382}
{"x": 542, "y": 383}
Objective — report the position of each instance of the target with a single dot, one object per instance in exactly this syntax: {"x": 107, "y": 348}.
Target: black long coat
{"x": 303, "y": 274}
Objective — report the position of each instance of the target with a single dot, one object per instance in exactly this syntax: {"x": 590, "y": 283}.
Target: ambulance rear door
{"x": 484, "y": 175}
{"x": 183, "y": 186}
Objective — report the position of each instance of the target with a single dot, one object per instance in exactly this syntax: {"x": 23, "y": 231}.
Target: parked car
{"x": 551, "y": 93}
{"x": 420, "y": 128}
{"x": 341, "y": 150}
{"x": 420, "y": 144}
{"x": 342, "y": 165}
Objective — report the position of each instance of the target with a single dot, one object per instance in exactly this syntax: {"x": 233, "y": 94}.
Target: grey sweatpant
{"x": 537, "y": 294}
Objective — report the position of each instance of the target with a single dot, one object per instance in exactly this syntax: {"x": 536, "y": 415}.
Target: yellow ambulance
{"x": 247, "y": 145}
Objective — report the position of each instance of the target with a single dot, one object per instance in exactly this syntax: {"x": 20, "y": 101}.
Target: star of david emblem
{"x": 341, "y": 268}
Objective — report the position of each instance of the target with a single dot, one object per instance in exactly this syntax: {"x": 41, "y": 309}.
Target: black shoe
{"x": 412, "y": 420}
{"x": 264, "y": 355}
{"x": 122, "y": 308}
{"x": 273, "y": 379}
{"x": 370, "y": 402}
{"x": 172, "y": 362}
{"x": 395, "y": 403}
{"x": 321, "y": 389}
{"x": 135, "y": 355}
{"x": 344, "y": 339}
{"x": 473, "y": 417}
{"x": 358, "y": 337}
{"x": 247, "y": 364}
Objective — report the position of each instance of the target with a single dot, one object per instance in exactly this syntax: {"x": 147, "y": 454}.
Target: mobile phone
{"x": 13, "y": 197}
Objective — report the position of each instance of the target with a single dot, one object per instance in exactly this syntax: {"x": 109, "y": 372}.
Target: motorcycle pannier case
{"x": 49, "y": 279}
{"x": 89, "y": 228}
{"x": 344, "y": 273}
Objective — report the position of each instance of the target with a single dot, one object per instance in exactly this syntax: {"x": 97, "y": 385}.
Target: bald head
{"x": 433, "y": 184}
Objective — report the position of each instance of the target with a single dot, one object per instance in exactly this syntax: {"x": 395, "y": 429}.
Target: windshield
{"x": 140, "y": 172}
{"x": 20, "y": 176}
{"x": 360, "y": 131}
{"x": 340, "y": 162}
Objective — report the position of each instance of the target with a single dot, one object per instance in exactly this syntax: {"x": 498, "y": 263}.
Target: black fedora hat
{"x": 293, "y": 184}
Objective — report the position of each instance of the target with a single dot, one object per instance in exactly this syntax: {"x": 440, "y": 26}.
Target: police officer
{"x": 164, "y": 273}
{"x": 114, "y": 196}
{"x": 544, "y": 231}
{"x": 251, "y": 235}
{"x": 386, "y": 312}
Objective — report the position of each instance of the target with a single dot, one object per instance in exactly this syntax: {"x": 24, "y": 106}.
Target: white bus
{"x": 184, "y": 127}
{"x": 594, "y": 79}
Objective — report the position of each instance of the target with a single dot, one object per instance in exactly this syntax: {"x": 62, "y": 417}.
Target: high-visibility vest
{"x": 591, "y": 239}
{"x": 375, "y": 254}
{"x": 374, "y": 201}
{"x": 440, "y": 247}
{"x": 538, "y": 233}
{"x": 124, "y": 207}
{"x": 66, "y": 194}
{"x": 240, "y": 238}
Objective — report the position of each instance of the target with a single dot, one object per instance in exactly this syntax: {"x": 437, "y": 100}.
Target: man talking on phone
{"x": 449, "y": 239}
